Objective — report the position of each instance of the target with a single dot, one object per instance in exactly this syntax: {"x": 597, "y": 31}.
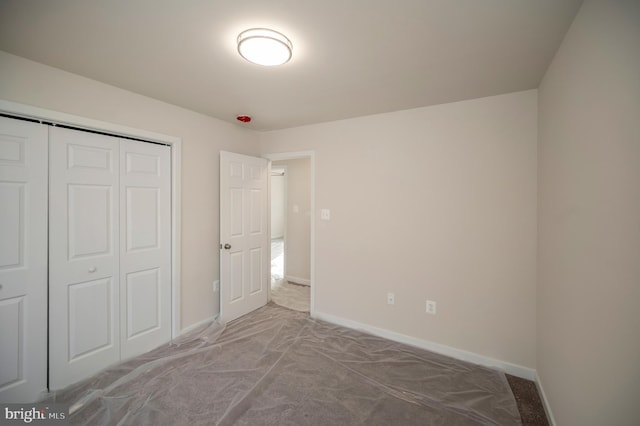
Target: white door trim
{"x": 37, "y": 113}
{"x": 312, "y": 158}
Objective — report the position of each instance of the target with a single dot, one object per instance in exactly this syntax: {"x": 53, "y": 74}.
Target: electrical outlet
{"x": 391, "y": 298}
{"x": 431, "y": 307}
{"x": 216, "y": 286}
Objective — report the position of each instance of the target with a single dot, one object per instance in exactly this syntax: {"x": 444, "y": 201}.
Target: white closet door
{"x": 23, "y": 260}
{"x": 145, "y": 246}
{"x": 83, "y": 252}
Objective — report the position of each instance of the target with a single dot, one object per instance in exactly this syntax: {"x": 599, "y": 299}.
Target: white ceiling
{"x": 350, "y": 57}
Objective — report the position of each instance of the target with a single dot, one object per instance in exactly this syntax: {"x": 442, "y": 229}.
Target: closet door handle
{"x": 92, "y": 269}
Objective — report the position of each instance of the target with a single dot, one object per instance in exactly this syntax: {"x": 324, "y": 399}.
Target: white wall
{"x": 431, "y": 203}
{"x": 203, "y": 137}
{"x": 588, "y": 356}
{"x": 298, "y": 241}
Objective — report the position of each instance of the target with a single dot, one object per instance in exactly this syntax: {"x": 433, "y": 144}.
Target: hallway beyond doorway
{"x": 283, "y": 293}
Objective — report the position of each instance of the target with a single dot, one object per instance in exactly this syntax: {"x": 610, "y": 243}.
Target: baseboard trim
{"x": 298, "y": 280}
{"x": 545, "y": 401}
{"x": 202, "y": 323}
{"x": 507, "y": 367}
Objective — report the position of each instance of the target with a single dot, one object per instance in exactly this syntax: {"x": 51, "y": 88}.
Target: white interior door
{"x": 83, "y": 252}
{"x": 23, "y": 260}
{"x": 145, "y": 246}
{"x": 244, "y": 234}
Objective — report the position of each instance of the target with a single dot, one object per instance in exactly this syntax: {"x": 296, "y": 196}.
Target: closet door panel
{"x": 143, "y": 215}
{"x": 90, "y": 326}
{"x": 84, "y": 274}
{"x": 90, "y": 235}
{"x": 23, "y": 260}
{"x": 145, "y": 247}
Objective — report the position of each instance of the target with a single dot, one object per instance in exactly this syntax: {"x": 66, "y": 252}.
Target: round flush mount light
{"x": 264, "y": 47}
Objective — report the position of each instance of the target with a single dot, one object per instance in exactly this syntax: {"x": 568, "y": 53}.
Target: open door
{"x": 244, "y": 235}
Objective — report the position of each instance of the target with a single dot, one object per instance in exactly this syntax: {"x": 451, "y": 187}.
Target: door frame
{"x": 175, "y": 143}
{"x": 295, "y": 155}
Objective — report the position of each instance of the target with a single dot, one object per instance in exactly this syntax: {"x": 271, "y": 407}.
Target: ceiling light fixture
{"x": 264, "y": 47}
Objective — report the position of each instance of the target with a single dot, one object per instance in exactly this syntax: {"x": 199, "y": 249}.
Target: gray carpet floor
{"x": 276, "y": 366}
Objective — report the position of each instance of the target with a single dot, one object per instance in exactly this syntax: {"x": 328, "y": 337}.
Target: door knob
{"x": 227, "y": 246}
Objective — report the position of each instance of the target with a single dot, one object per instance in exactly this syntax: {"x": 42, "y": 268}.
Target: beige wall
{"x": 588, "y": 356}
{"x": 298, "y": 239}
{"x": 203, "y": 137}
{"x": 432, "y": 203}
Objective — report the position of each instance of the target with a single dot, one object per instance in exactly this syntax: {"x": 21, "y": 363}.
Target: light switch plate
{"x": 431, "y": 307}
{"x": 325, "y": 214}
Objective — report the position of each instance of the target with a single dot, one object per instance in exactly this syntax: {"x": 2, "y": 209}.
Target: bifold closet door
{"x": 145, "y": 246}
{"x": 23, "y": 260}
{"x": 84, "y": 274}
{"x": 110, "y": 252}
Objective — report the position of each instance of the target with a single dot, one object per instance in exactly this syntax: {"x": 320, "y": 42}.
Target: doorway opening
{"x": 279, "y": 186}
{"x": 292, "y": 221}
